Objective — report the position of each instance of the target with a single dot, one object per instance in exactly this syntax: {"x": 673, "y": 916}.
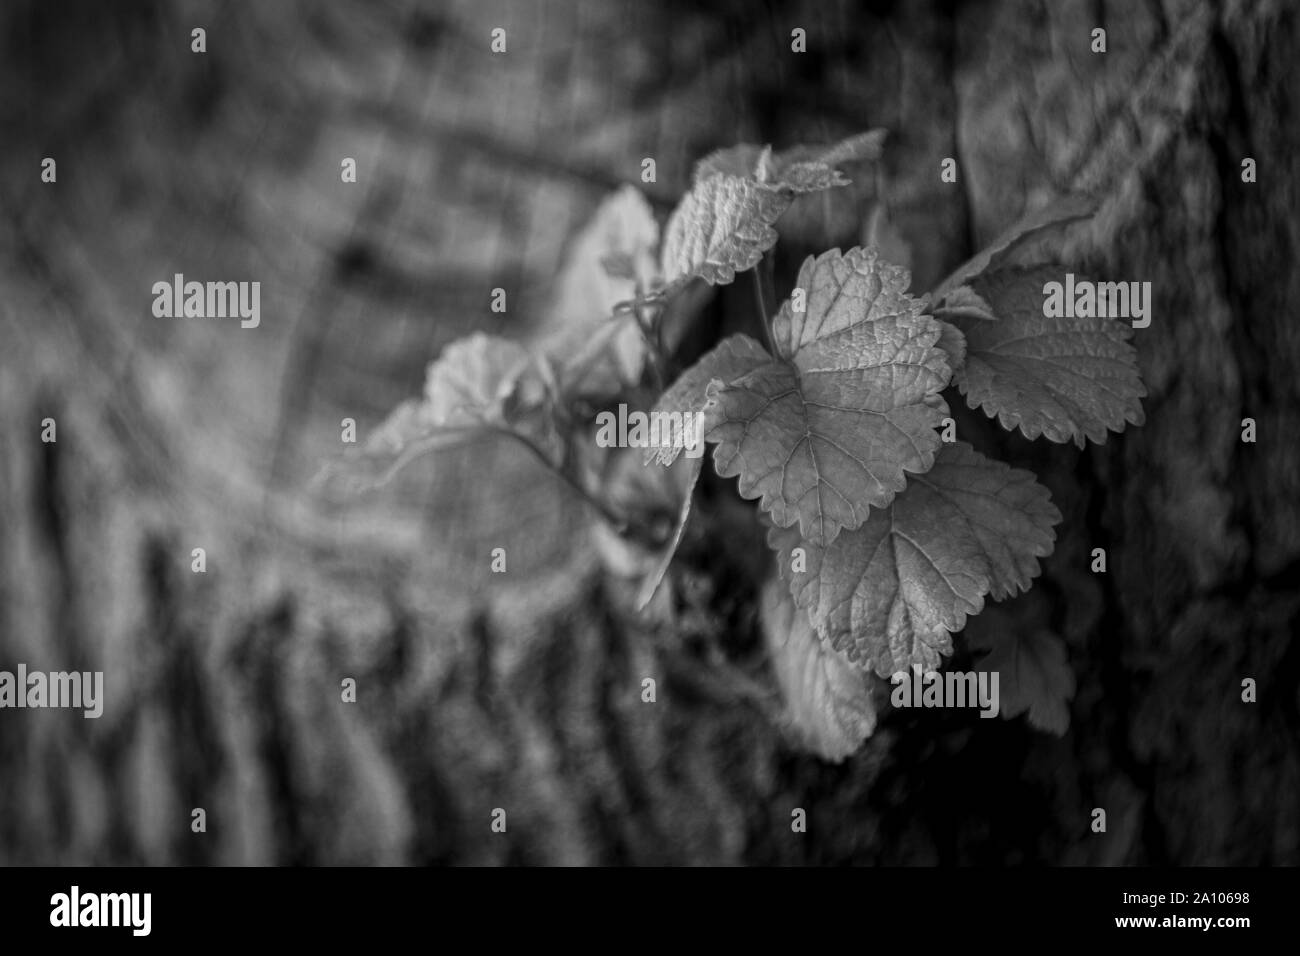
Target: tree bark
{"x": 523, "y": 691}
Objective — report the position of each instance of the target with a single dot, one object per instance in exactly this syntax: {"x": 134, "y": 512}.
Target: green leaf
{"x": 725, "y": 223}
{"x": 730, "y": 359}
{"x": 1063, "y": 378}
{"x": 827, "y": 699}
{"x": 1034, "y": 675}
{"x": 889, "y": 594}
{"x": 1051, "y": 219}
{"x": 829, "y": 428}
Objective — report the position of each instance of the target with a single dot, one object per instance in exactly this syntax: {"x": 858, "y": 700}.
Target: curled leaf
{"x": 793, "y": 167}
{"x": 964, "y": 302}
{"x": 655, "y": 503}
{"x": 725, "y": 223}
{"x": 651, "y": 582}
{"x": 722, "y": 226}
{"x": 1055, "y": 217}
{"x": 808, "y": 168}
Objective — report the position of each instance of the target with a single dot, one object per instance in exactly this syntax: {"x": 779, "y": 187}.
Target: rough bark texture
{"x": 523, "y": 691}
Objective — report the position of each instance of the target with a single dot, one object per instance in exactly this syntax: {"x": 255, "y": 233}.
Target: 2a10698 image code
{"x": 1196, "y": 897}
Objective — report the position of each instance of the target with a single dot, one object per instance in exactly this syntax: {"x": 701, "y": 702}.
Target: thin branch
{"x": 762, "y": 306}
{"x": 652, "y": 331}
{"x": 615, "y": 520}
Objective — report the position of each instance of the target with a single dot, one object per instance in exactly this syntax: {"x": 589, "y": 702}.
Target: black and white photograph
{"x": 650, "y": 434}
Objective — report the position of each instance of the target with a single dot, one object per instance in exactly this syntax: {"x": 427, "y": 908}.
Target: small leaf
{"x": 727, "y": 361}
{"x": 740, "y": 161}
{"x": 964, "y": 302}
{"x": 827, "y": 699}
{"x": 829, "y": 428}
{"x": 803, "y": 169}
{"x": 807, "y": 177}
{"x": 725, "y": 223}
{"x": 1063, "y": 378}
{"x": 792, "y": 166}
{"x": 890, "y": 593}
{"x": 610, "y": 261}
{"x": 722, "y": 226}
{"x": 483, "y": 379}
{"x": 479, "y": 383}
{"x": 1053, "y": 217}
{"x": 1034, "y": 675}
{"x": 860, "y": 148}
{"x": 953, "y": 343}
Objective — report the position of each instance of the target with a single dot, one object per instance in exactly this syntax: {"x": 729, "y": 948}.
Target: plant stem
{"x": 762, "y": 306}
{"x": 652, "y": 331}
{"x": 615, "y": 520}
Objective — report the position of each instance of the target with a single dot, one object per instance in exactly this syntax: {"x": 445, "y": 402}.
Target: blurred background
{"x": 523, "y": 692}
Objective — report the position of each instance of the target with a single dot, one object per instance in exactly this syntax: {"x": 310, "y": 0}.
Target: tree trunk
{"x": 523, "y": 691}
